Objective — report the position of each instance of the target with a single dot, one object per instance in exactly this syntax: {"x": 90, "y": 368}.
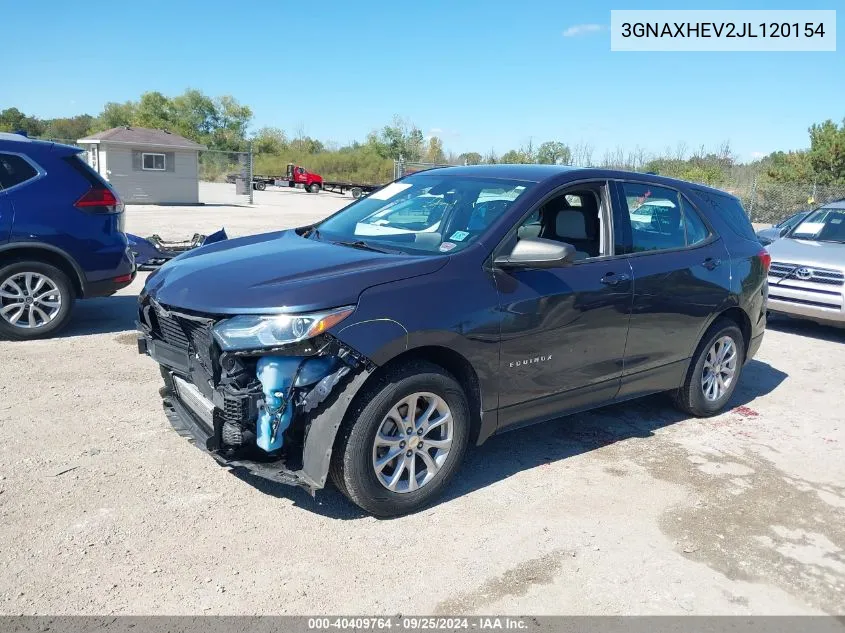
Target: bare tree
{"x": 528, "y": 150}
{"x": 619, "y": 156}
{"x": 680, "y": 151}
{"x": 726, "y": 156}
{"x": 582, "y": 154}
{"x": 637, "y": 158}
{"x": 299, "y": 133}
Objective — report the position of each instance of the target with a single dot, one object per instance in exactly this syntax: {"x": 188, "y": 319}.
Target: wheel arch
{"x": 453, "y": 362}
{"x": 48, "y": 254}
{"x": 742, "y": 320}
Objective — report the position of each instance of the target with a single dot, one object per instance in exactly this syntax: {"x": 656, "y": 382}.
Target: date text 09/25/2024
{"x": 422, "y": 623}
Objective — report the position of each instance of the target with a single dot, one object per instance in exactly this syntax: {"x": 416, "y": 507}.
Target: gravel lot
{"x": 630, "y": 509}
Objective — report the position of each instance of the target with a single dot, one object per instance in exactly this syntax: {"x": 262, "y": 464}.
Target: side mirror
{"x": 536, "y": 252}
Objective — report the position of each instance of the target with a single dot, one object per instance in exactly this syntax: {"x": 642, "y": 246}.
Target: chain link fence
{"x": 403, "y": 168}
{"x": 225, "y": 177}
{"x": 770, "y": 202}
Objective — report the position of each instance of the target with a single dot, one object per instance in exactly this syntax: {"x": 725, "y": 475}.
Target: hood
{"x": 808, "y": 253}
{"x": 277, "y": 272}
{"x": 772, "y": 233}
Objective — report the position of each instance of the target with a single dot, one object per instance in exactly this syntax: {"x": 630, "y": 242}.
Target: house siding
{"x": 179, "y": 184}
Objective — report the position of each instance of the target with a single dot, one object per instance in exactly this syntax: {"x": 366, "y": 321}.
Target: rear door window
{"x": 694, "y": 226}
{"x": 14, "y": 170}
{"x": 661, "y": 218}
{"x": 655, "y": 216}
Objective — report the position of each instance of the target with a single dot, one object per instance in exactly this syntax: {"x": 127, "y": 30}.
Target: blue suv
{"x": 61, "y": 236}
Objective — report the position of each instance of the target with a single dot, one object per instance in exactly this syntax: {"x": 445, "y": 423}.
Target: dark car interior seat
{"x": 578, "y": 226}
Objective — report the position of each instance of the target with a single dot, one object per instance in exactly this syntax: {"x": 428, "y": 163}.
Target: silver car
{"x": 769, "y": 235}
{"x": 807, "y": 274}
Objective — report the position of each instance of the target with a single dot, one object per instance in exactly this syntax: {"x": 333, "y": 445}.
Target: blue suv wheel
{"x": 35, "y": 300}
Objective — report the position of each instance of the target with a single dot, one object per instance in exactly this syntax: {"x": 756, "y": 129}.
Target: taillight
{"x": 98, "y": 197}
{"x": 766, "y": 259}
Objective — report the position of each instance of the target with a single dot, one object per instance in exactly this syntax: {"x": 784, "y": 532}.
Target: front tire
{"x": 314, "y": 188}
{"x": 403, "y": 441}
{"x": 714, "y": 371}
{"x": 35, "y": 300}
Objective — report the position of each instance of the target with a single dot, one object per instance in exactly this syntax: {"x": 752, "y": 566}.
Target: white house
{"x": 146, "y": 166}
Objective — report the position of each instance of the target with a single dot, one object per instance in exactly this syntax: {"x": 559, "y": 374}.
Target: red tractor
{"x": 300, "y": 177}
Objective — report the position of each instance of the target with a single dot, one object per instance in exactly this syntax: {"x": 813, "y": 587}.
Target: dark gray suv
{"x": 376, "y": 345}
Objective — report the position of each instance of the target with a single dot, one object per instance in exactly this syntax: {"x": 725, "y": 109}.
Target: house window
{"x": 152, "y": 162}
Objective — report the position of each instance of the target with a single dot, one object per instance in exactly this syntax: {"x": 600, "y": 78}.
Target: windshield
{"x": 789, "y": 222}
{"x": 423, "y": 214}
{"x": 822, "y": 225}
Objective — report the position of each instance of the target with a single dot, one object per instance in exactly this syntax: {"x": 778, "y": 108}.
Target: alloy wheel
{"x": 29, "y": 300}
{"x": 719, "y": 368}
{"x": 413, "y": 442}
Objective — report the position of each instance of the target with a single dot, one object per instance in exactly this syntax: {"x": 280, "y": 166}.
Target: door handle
{"x": 611, "y": 279}
{"x": 711, "y": 263}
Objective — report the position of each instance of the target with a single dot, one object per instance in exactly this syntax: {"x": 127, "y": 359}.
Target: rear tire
{"x": 261, "y": 186}
{"x": 36, "y": 300}
{"x": 715, "y": 370}
{"x": 368, "y": 437}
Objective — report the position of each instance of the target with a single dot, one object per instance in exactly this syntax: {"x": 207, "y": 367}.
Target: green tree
{"x": 115, "y": 115}
{"x": 789, "y": 167}
{"x": 827, "y": 152}
{"x": 554, "y": 153}
{"x": 194, "y": 115}
{"x": 71, "y": 129}
{"x": 155, "y": 111}
{"x": 231, "y": 123}
{"x": 434, "y": 153}
{"x": 269, "y": 140}
{"x": 470, "y": 158}
{"x": 219, "y": 123}
{"x": 13, "y": 120}
{"x": 402, "y": 139}
{"x": 514, "y": 157}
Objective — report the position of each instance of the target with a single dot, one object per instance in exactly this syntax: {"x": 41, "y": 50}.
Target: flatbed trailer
{"x": 357, "y": 189}
{"x": 260, "y": 182}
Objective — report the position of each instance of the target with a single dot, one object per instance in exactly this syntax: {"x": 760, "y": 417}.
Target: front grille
{"x": 189, "y": 334}
{"x": 236, "y": 409}
{"x": 783, "y": 270}
{"x": 171, "y": 331}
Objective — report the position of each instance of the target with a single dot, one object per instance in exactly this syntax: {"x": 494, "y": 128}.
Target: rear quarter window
{"x": 729, "y": 209}
{"x": 85, "y": 170}
{"x": 14, "y": 170}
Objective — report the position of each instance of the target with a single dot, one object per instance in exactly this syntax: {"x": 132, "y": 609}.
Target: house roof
{"x": 142, "y": 136}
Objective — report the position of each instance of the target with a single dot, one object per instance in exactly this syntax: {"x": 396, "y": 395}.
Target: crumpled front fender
{"x": 323, "y": 424}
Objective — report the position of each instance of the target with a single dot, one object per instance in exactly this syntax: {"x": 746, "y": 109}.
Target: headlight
{"x": 253, "y": 332}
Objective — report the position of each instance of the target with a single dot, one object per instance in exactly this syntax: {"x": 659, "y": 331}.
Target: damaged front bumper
{"x": 216, "y": 400}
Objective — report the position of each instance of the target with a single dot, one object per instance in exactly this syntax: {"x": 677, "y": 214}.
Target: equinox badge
{"x": 530, "y": 361}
